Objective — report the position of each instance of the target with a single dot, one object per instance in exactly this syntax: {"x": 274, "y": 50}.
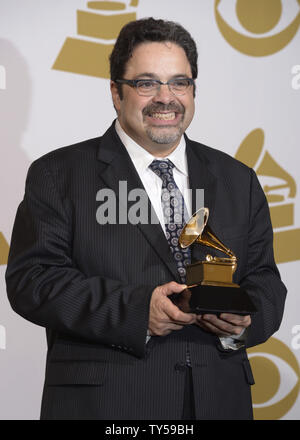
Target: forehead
{"x": 161, "y": 59}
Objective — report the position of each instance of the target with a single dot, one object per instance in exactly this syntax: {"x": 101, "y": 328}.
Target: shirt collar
{"x": 141, "y": 158}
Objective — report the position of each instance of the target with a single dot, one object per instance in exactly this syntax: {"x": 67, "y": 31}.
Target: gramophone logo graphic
{"x": 97, "y": 27}
{"x": 270, "y": 362}
{"x": 4, "y": 249}
{"x": 280, "y": 189}
{"x": 258, "y": 18}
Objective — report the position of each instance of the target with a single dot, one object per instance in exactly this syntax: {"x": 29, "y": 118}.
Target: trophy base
{"x": 217, "y": 273}
{"x": 201, "y": 299}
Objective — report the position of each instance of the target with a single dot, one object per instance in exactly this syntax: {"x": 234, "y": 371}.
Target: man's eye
{"x": 180, "y": 83}
{"x": 146, "y": 84}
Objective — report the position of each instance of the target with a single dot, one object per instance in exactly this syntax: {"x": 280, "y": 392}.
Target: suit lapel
{"x": 200, "y": 178}
{"x": 115, "y": 166}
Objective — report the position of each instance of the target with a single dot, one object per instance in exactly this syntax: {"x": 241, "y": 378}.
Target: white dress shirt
{"x": 141, "y": 160}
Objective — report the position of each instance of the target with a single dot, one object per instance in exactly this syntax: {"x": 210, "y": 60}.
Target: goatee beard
{"x": 154, "y": 132}
{"x": 163, "y": 138}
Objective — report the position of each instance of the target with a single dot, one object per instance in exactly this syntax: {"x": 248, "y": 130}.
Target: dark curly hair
{"x": 149, "y": 30}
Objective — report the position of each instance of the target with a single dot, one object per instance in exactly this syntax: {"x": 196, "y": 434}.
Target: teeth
{"x": 164, "y": 116}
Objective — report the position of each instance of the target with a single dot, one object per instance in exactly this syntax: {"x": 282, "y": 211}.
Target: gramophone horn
{"x": 194, "y": 227}
{"x": 197, "y": 231}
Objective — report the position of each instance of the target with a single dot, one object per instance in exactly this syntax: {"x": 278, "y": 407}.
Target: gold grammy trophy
{"x": 210, "y": 286}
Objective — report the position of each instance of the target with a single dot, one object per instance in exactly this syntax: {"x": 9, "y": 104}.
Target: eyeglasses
{"x": 150, "y": 87}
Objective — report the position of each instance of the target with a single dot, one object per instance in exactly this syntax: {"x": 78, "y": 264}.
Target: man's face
{"x": 155, "y": 122}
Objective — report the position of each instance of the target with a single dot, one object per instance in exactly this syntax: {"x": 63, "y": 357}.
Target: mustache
{"x": 156, "y": 108}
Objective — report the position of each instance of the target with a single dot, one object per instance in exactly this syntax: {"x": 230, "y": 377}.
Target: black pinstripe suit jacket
{"x": 90, "y": 286}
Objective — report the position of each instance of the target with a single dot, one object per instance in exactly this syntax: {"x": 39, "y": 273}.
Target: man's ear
{"x": 115, "y": 95}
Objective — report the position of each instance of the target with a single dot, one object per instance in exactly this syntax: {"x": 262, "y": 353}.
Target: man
{"x": 118, "y": 347}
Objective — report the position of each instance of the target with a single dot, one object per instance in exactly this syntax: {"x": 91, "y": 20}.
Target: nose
{"x": 164, "y": 95}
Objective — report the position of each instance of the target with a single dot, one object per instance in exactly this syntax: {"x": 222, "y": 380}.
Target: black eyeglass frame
{"x": 134, "y": 83}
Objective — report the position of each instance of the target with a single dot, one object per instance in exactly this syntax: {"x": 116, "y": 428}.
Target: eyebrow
{"x": 153, "y": 76}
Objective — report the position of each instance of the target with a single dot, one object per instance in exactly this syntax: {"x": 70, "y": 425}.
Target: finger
{"x": 172, "y": 287}
{"x": 192, "y": 320}
{"x": 207, "y": 326}
{"x": 240, "y": 320}
{"x": 175, "y": 327}
{"x": 177, "y": 316}
{"x": 164, "y": 329}
{"x": 222, "y": 326}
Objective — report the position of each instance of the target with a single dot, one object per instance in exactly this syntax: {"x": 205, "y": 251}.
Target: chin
{"x": 165, "y": 137}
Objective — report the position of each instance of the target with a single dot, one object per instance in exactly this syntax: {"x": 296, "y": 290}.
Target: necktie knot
{"x": 163, "y": 168}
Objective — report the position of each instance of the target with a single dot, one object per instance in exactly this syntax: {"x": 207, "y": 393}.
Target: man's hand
{"x": 164, "y": 316}
{"x": 227, "y": 324}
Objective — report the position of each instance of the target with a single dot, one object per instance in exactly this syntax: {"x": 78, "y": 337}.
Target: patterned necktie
{"x": 174, "y": 211}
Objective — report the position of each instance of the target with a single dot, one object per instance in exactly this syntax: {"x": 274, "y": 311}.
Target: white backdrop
{"x": 43, "y": 108}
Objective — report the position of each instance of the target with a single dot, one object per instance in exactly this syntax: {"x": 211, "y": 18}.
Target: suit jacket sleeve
{"x": 261, "y": 278}
{"x": 45, "y": 287}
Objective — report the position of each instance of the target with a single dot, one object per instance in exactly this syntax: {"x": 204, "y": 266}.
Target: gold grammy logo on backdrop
{"x": 85, "y": 55}
{"x": 280, "y": 191}
{"x": 266, "y": 361}
{"x": 258, "y": 17}
{"x": 4, "y": 249}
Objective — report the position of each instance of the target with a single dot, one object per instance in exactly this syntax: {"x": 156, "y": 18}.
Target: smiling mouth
{"x": 161, "y": 115}
{"x": 164, "y": 116}
{"x": 165, "y": 119}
